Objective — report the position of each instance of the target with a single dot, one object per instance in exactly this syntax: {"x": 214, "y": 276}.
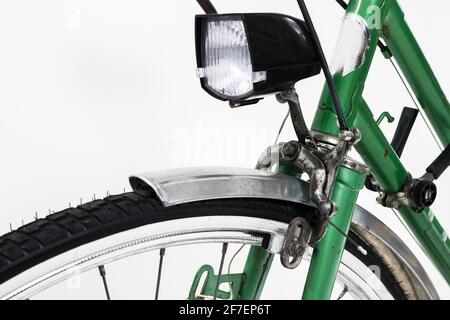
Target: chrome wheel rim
{"x": 360, "y": 281}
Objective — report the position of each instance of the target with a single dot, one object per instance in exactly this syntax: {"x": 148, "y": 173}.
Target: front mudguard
{"x": 178, "y": 186}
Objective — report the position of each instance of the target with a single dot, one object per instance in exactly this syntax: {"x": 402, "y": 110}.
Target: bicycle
{"x": 274, "y": 208}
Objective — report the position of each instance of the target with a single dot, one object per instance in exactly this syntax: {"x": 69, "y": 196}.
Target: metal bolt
{"x": 326, "y": 208}
{"x": 299, "y": 249}
{"x": 346, "y": 135}
{"x": 291, "y": 150}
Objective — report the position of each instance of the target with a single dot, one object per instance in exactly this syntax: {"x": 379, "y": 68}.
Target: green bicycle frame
{"x": 385, "y": 19}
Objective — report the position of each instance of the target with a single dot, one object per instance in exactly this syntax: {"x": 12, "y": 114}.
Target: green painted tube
{"x": 256, "y": 270}
{"x": 328, "y": 251}
{"x": 392, "y": 176}
{"x": 420, "y": 76}
{"x": 374, "y": 148}
{"x": 431, "y": 236}
{"x": 390, "y": 173}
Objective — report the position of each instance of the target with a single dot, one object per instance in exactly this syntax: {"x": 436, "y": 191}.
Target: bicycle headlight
{"x": 227, "y": 67}
{"x": 245, "y": 55}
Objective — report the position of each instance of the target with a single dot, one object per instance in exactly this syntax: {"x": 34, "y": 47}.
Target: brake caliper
{"x": 321, "y": 162}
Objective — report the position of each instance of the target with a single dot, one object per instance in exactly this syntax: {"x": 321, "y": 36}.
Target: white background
{"x": 92, "y": 91}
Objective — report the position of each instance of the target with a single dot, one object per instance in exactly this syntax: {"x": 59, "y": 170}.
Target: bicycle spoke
{"x": 234, "y": 256}
{"x": 343, "y": 293}
{"x": 102, "y": 271}
{"x": 224, "y": 252}
{"x": 162, "y": 252}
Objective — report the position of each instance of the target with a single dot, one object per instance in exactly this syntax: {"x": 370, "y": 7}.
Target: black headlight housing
{"x": 269, "y": 52}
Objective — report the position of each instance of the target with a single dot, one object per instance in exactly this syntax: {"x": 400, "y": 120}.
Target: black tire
{"x": 45, "y": 238}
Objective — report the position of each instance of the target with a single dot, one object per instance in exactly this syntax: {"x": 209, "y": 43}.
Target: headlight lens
{"x": 227, "y": 66}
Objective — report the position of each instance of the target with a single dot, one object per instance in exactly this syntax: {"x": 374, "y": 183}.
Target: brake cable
{"x": 324, "y": 63}
{"x": 207, "y": 6}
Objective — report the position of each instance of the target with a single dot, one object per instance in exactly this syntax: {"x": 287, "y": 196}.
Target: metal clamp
{"x": 417, "y": 194}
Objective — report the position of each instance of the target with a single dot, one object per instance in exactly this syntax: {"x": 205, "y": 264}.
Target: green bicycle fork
{"x": 328, "y": 251}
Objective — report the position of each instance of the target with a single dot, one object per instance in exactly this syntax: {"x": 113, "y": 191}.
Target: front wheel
{"x": 46, "y": 252}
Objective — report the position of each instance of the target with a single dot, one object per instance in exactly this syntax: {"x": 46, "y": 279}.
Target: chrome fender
{"x": 179, "y": 186}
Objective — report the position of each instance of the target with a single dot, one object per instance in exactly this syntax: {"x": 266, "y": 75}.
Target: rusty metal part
{"x": 357, "y": 166}
{"x": 304, "y": 158}
{"x": 321, "y": 165}
{"x": 290, "y": 96}
{"x": 325, "y": 142}
{"x": 296, "y": 242}
{"x": 321, "y": 160}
